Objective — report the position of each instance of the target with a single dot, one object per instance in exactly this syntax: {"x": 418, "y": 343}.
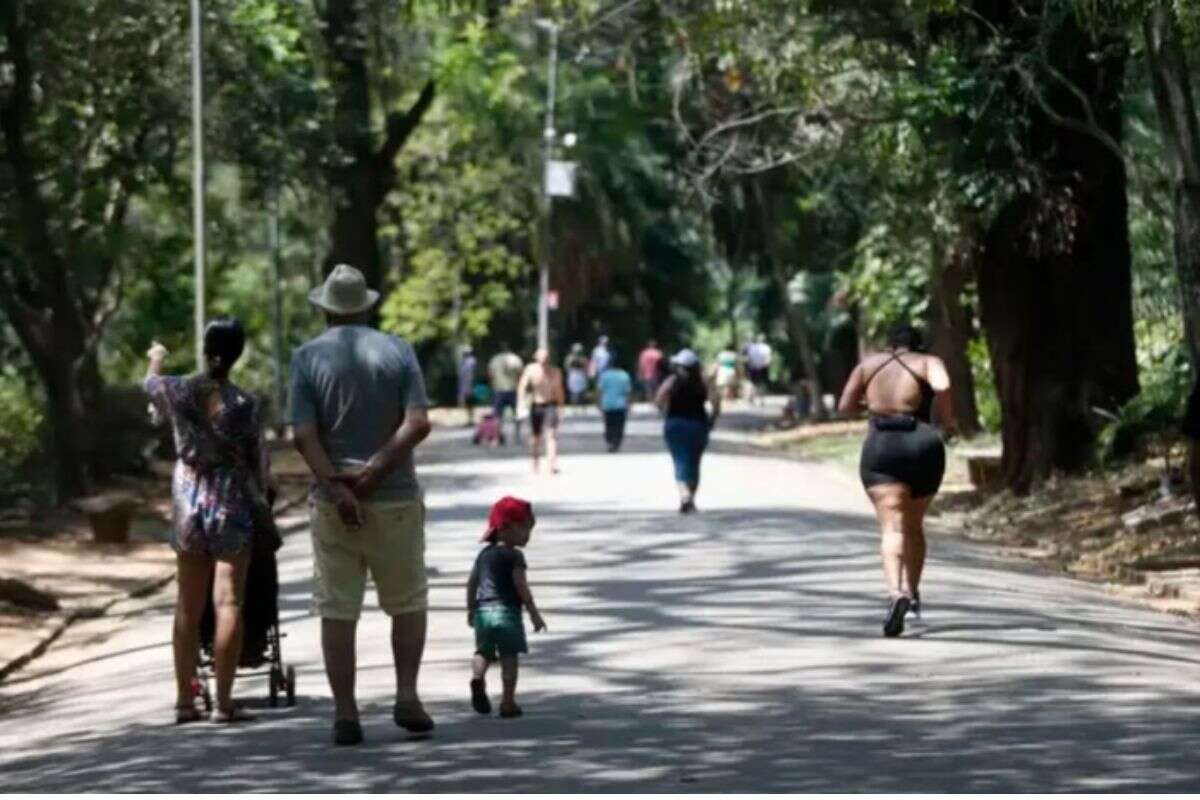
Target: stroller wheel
{"x": 291, "y": 686}
{"x": 274, "y": 682}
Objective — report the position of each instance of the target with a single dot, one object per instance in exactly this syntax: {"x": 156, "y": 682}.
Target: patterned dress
{"x": 217, "y": 483}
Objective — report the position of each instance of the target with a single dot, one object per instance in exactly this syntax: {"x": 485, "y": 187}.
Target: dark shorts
{"x": 759, "y": 375}
{"x": 503, "y": 400}
{"x": 499, "y": 631}
{"x": 906, "y": 451}
{"x": 543, "y": 416}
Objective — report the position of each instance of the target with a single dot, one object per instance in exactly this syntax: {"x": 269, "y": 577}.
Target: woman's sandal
{"x": 233, "y": 715}
{"x": 186, "y": 714}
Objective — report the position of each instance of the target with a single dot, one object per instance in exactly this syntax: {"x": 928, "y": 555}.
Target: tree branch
{"x": 400, "y": 126}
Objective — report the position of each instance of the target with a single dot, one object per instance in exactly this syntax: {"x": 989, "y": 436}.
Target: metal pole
{"x": 276, "y": 310}
{"x": 548, "y": 152}
{"x": 198, "y": 178}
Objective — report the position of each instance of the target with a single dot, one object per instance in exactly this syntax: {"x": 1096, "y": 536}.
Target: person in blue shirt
{"x": 613, "y": 390}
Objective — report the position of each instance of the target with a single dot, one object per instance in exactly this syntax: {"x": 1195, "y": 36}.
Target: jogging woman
{"x": 903, "y": 458}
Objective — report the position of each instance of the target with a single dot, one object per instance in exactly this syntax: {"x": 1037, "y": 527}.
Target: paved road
{"x": 735, "y": 650}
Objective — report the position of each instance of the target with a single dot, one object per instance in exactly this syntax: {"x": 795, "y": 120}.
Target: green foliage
{"x": 986, "y": 398}
{"x": 21, "y": 431}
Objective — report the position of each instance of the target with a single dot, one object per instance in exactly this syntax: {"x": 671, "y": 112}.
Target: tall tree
{"x": 87, "y": 118}
{"x": 364, "y": 169}
{"x": 1171, "y": 78}
{"x": 1054, "y": 274}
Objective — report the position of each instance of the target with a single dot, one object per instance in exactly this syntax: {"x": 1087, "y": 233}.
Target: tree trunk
{"x": 950, "y": 333}
{"x": 367, "y": 172}
{"x": 1171, "y": 81}
{"x": 794, "y": 317}
{"x": 1054, "y": 281}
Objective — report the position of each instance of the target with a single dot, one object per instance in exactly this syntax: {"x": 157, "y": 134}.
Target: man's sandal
{"x": 510, "y": 711}
{"x": 411, "y": 716}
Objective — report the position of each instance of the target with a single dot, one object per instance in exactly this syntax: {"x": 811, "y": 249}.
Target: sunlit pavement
{"x": 738, "y": 649}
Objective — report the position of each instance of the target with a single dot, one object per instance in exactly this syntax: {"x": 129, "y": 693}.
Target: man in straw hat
{"x": 358, "y": 409}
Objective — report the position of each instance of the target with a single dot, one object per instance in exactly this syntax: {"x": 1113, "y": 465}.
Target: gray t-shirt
{"x": 354, "y": 383}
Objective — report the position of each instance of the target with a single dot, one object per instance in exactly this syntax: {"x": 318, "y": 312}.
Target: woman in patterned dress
{"x": 218, "y": 495}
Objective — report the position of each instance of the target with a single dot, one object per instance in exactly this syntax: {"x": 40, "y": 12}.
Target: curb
{"x": 144, "y": 589}
{"x": 87, "y": 612}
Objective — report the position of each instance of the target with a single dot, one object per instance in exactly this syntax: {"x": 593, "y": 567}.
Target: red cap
{"x": 507, "y": 510}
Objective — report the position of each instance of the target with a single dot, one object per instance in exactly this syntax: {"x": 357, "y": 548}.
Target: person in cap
{"x": 690, "y": 408}
{"x": 496, "y": 592}
{"x": 358, "y": 410}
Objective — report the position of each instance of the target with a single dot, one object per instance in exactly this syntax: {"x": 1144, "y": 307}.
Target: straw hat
{"x": 344, "y": 292}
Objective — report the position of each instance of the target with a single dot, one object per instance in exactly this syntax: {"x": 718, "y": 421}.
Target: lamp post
{"x": 543, "y": 309}
{"x": 198, "y": 178}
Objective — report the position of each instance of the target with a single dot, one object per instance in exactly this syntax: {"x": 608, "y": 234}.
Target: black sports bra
{"x": 924, "y": 411}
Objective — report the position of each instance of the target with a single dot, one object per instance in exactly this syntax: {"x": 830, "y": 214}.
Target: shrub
{"x": 21, "y": 425}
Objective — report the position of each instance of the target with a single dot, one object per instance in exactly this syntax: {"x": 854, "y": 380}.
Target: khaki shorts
{"x": 391, "y": 545}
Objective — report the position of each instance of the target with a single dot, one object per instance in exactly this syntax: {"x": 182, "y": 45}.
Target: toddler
{"x": 496, "y": 592}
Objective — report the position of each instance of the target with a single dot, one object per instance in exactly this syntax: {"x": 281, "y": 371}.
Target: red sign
{"x": 552, "y": 299}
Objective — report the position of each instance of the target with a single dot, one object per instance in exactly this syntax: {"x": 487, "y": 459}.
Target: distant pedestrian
{"x": 496, "y": 592}
{"x": 724, "y": 374}
{"x": 758, "y": 366}
{"x": 614, "y": 390}
{"x": 650, "y": 370}
{"x": 600, "y": 358}
{"x": 541, "y": 391}
{"x": 358, "y": 410}
{"x": 685, "y": 399}
{"x": 504, "y": 371}
{"x": 467, "y": 366}
{"x": 220, "y": 510}
{"x": 903, "y": 458}
{"x": 577, "y": 375}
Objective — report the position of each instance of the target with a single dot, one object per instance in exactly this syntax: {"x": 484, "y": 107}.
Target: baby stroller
{"x": 488, "y": 431}
{"x": 260, "y": 635}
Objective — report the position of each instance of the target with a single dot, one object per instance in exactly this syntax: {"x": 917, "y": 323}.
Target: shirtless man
{"x": 541, "y": 391}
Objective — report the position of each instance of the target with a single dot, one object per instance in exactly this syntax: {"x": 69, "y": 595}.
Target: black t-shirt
{"x": 494, "y": 573}
{"x": 686, "y": 399}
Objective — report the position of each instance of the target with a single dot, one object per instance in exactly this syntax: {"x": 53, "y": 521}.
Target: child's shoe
{"x": 479, "y": 698}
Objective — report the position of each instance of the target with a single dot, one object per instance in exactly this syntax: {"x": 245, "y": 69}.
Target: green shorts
{"x": 499, "y": 630}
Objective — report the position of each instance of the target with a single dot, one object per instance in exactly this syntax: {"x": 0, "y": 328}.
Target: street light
{"x": 543, "y": 309}
{"x": 198, "y": 178}
{"x": 558, "y": 180}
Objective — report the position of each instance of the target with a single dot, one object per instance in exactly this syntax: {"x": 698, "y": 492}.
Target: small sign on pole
{"x": 560, "y": 178}
{"x": 552, "y": 299}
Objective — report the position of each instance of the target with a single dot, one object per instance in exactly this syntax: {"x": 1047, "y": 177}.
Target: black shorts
{"x": 759, "y": 375}
{"x": 541, "y": 416}
{"x": 903, "y": 450}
